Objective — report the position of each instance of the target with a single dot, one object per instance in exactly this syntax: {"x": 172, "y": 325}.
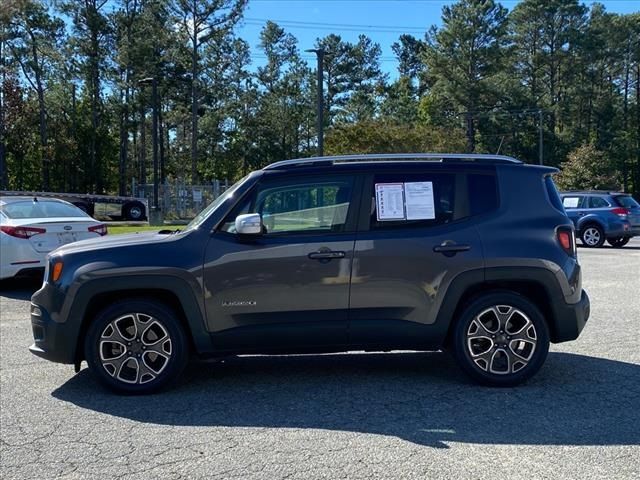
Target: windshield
{"x": 41, "y": 209}
{"x": 204, "y": 214}
{"x": 626, "y": 201}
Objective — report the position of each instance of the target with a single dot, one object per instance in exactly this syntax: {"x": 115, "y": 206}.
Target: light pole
{"x": 320, "y": 113}
{"x": 155, "y": 217}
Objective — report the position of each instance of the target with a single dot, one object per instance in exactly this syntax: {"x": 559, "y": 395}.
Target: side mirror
{"x": 249, "y": 224}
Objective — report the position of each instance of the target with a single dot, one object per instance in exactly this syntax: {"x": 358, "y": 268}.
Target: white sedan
{"x": 31, "y": 227}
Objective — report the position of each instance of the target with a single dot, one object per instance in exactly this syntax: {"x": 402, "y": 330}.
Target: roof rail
{"x": 391, "y": 157}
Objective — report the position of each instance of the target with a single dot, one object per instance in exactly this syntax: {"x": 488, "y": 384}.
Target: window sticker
{"x": 571, "y": 202}
{"x": 390, "y": 201}
{"x": 419, "y": 200}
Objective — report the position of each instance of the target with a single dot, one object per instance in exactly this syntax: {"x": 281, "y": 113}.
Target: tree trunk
{"x": 470, "y": 132}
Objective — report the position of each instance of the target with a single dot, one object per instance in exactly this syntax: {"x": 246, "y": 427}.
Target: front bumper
{"x": 53, "y": 340}
{"x": 571, "y": 319}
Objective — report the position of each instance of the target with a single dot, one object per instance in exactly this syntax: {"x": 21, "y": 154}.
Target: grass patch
{"x": 120, "y": 229}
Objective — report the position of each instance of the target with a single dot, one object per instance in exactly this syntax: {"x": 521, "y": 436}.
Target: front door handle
{"x": 449, "y": 250}
{"x": 326, "y": 255}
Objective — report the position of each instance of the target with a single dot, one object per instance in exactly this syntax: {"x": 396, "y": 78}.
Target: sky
{"x": 382, "y": 20}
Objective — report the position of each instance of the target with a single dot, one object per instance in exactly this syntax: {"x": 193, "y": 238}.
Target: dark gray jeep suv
{"x": 329, "y": 254}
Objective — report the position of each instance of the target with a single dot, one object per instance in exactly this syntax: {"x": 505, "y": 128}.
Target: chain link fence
{"x": 179, "y": 201}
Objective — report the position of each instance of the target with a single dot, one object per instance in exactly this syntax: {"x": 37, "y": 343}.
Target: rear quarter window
{"x": 552, "y": 192}
{"x": 626, "y": 201}
{"x": 483, "y": 193}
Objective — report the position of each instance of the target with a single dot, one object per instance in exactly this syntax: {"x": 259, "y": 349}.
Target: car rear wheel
{"x": 501, "y": 339}
{"x": 136, "y": 347}
{"x": 592, "y": 236}
{"x": 618, "y": 242}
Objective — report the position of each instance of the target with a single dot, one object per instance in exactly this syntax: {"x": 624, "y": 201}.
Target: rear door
{"x": 417, "y": 233}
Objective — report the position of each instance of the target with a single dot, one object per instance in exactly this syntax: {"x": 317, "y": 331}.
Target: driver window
{"x": 299, "y": 207}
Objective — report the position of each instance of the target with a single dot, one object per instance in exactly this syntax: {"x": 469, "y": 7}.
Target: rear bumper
{"x": 571, "y": 319}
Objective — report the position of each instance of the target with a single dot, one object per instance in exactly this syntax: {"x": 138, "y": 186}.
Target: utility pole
{"x": 320, "y": 108}
{"x": 540, "y": 146}
{"x": 155, "y": 216}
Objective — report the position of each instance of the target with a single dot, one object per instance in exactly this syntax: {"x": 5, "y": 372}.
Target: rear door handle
{"x": 451, "y": 249}
{"x": 326, "y": 255}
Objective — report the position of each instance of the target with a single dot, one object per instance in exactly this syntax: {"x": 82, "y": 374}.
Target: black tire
{"x": 133, "y": 211}
{"x": 159, "y": 324}
{"x": 618, "y": 242}
{"x": 467, "y": 340}
{"x": 592, "y": 235}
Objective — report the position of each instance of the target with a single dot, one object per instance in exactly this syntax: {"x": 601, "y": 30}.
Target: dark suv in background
{"x": 600, "y": 216}
{"x": 329, "y": 254}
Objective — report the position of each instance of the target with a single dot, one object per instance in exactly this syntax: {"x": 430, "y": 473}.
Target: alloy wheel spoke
{"x": 483, "y": 360}
{"x": 497, "y": 358}
{"x": 114, "y": 365}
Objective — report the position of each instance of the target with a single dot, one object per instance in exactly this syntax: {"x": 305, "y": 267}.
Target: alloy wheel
{"x": 135, "y": 348}
{"x": 591, "y": 236}
{"x": 501, "y": 340}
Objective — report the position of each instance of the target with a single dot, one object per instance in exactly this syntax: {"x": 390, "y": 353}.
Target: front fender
{"x": 186, "y": 290}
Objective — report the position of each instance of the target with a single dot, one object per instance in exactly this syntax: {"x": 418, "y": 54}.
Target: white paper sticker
{"x": 571, "y": 202}
{"x": 390, "y": 201}
{"x": 419, "y": 200}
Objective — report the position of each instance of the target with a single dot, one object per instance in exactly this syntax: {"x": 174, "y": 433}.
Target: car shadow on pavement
{"x": 419, "y": 397}
{"x": 19, "y": 288}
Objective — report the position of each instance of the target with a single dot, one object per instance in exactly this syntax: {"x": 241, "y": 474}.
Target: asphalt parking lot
{"x": 357, "y": 416}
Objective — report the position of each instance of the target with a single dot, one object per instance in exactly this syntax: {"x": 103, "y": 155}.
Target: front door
{"x": 288, "y": 288}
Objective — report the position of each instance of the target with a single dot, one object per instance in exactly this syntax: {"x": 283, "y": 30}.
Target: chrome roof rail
{"x": 391, "y": 157}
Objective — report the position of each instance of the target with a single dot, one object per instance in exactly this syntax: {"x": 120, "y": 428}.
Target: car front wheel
{"x": 501, "y": 339}
{"x": 136, "y": 347}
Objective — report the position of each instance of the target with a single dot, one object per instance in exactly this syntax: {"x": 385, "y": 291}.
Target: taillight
{"x": 99, "y": 229}
{"x": 567, "y": 240}
{"x": 621, "y": 212}
{"x": 22, "y": 232}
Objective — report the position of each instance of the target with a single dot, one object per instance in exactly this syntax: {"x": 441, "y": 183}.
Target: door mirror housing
{"x": 249, "y": 224}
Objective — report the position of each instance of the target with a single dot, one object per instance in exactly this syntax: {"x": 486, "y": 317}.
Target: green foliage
{"x": 384, "y": 137}
{"x": 588, "y": 168}
{"x": 73, "y": 116}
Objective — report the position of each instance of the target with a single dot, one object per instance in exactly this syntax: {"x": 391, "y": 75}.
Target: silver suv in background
{"x": 600, "y": 216}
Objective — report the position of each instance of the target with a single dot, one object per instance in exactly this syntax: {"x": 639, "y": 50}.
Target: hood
{"x": 113, "y": 241}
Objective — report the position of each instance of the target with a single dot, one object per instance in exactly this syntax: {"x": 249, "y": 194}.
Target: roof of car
{"x": 4, "y": 200}
{"x": 477, "y": 158}
{"x": 592, "y": 192}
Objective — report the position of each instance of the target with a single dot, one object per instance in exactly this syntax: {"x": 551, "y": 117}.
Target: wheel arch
{"x": 590, "y": 220}
{"x": 535, "y": 284}
{"x": 95, "y": 296}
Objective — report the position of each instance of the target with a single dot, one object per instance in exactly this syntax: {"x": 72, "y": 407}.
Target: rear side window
{"x": 598, "y": 202}
{"x": 413, "y": 200}
{"x": 626, "y": 201}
